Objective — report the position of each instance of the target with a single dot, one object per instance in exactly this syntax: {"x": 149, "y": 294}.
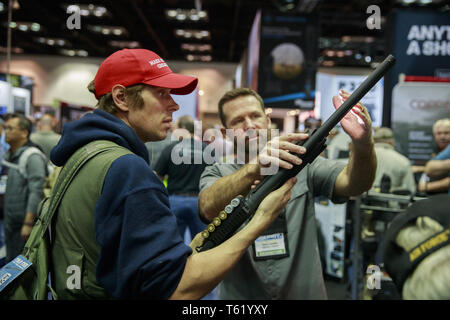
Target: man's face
{"x": 243, "y": 114}
{"x": 153, "y": 120}
{"x": 13, "y": 133}
{"x": 442, "y": 136}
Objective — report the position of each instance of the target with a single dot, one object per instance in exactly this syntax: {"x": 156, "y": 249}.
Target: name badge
{"x": 12, "y": 270}
{"x": 270, "y": 245}
{"x": 273, "y": 244}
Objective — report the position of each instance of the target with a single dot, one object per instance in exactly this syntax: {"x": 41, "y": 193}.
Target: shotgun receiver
{"x": 241, "y": 208}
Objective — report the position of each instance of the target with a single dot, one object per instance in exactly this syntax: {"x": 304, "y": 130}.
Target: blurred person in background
{"x": 435, "y": 178}
{"x": 391, "y": 163}
{"x": 183, "y": 178}
{"x": 24, "y": 190}
{"x": 45, "y": 136}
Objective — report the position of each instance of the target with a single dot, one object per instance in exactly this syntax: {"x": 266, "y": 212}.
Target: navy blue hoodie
{"x": 142, "y": 253}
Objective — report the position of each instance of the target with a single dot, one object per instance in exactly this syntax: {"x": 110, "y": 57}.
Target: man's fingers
{"x": 293, "y": 137}
{"x": 267, "y": 161}
{"x": 284, "y": 155}
{"x": 291, "y": 147}
{"x": 288, "y": 185}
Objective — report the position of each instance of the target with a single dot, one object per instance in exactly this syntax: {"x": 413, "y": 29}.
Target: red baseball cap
{"x": 128, "y": 67}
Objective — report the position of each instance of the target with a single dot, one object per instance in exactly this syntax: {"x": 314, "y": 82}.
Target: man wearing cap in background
{"x": 114, "y": 223}
{"x": 392, "y": 163}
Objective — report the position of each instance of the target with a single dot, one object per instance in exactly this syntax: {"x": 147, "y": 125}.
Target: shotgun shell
{"x": 217, "y": 221}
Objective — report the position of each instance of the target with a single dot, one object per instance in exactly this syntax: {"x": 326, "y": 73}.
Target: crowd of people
{"x": 131, "y": 228}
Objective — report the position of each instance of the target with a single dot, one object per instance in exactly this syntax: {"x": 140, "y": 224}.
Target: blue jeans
{"x": 185, "y": 209}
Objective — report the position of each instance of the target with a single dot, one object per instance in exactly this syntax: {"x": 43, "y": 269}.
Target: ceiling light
{"x": 72, "y": 53}
{"x": 171, "y": 13}
{"x": 15, "y": 5}
{"x": 2, "y": 7}
{"x": 426, "y": 1}
{"x": 125, "y": 44}
{"x": 87, "y": 10}
{"x": 186, "y": 14}
{"x": 35, "y": 27}
{"x": 198, "y": 34}
{"x": 194, "y": 57}
{"x": 328, "y": 63}
{"x": 117, "y": 31}
{"x": 108, "y": 30}
{"x": 82, "y": 53}
{"x": 51, "y": 41}
{"x": 206, "y": 58}
{"x": 25, "y": 26}
{"x": 13, "y": 50}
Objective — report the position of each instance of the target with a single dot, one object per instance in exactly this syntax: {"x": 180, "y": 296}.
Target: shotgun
{"x": 241, "y": 208}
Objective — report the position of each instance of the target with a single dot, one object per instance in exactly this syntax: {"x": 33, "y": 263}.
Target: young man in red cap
{"x": 114, "y": 235}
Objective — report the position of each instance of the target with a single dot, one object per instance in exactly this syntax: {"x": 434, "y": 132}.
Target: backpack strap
{"x": 21, "y": 166}
{"x": 49, "y": 206}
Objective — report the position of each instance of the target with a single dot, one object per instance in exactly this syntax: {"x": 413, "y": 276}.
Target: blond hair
{"x": 431, "y": 278}
{"x": 445, "y": 122}
{"x": 106, "y": 101}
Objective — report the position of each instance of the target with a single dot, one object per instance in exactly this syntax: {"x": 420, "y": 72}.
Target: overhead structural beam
{"x": 234, "y": 29}
{"x": 162, "y": 48}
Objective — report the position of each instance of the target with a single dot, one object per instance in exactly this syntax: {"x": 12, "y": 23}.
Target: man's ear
{"x": 119, "y": 97}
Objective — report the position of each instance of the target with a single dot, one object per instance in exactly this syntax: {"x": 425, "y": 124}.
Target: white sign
{"x": 21, "y": 100}
{"x": 5, "y": 91}
{"x": 416, "y": 106}
{"x": 329, "y": 85}
{"x": 429, "y": 40}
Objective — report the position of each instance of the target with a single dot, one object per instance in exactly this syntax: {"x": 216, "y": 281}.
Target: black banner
{"x": 288, "y": 60}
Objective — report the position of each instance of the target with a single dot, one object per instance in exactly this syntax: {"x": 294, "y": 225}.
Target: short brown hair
{"x": 236, "y": 93}
{"x": 24, "y": 123}
{"x": 106, "y": 102}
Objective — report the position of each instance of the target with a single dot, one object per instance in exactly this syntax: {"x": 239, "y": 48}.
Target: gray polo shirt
{"x": 298, "y": 276}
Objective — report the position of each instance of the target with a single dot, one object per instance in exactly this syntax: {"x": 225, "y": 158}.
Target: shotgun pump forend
{"x": 240, "y": 208}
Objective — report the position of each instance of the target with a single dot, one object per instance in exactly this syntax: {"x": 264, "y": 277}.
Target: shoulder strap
{"x": 23, "y": 159}
{"x": 70, "y": 169}
{"x": 21, "y": 166}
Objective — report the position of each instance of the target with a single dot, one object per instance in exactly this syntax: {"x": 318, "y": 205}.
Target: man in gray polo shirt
{"x": 284, "y": 263}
